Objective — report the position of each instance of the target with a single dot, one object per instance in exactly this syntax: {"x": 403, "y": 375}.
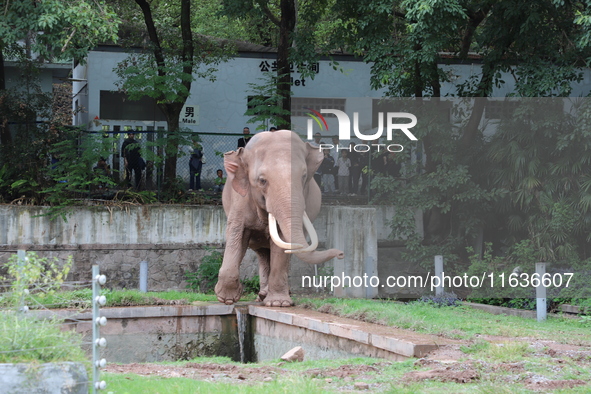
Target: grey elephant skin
{"x": 270, "y": 200}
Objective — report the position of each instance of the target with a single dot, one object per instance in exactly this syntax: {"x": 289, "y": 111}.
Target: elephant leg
{"x": 278, "y": 293}
{"x": 264, "y": 267}
{"x": 229, "y": 289}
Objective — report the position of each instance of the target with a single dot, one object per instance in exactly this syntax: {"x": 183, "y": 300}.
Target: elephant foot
{"x": 261, "y": 296}
{"x": 278, "y": 301}
{"x": 228, "y": 292}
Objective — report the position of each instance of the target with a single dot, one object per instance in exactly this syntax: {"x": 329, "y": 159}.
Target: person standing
{"x": 130, "y": 150}
{"x": 335, "y": 156}
{"x": 195, "y": 167}
{"x": 244, "y": 140}
{"x": 355, "y": 169}
{"x": 344, "y": 163}
{"x": 326, "y": 169}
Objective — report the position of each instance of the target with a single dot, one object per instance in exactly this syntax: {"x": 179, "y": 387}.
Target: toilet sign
{"x": 189, "y": 115}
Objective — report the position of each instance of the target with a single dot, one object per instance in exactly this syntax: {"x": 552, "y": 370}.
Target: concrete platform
{"x": 378, "y": 340}
{"x": 176, "y": 332}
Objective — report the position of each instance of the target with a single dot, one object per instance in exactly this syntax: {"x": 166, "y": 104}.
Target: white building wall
{"x": 222, "y": 103}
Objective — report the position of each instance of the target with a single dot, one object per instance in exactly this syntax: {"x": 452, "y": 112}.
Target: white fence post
{"x": 541, "y": 307}
{"x": 97, "y": 321}
{"x": 439, "y": 273}
{"x": 144, "y": 276}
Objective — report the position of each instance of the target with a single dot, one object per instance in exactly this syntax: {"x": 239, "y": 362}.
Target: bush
{"x": 33, "y": 276}
{"x": 205, "y": 277}
{"x": 24, "y": 338}
{"x": 251, "y": 285}
{"x": 446, "y": 299}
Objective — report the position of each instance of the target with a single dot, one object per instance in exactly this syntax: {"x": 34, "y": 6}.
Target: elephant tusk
{"x": 313, "y": 237}
{"x": 275, "y": 235}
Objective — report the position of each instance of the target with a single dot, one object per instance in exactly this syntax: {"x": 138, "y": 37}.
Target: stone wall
{"x": 172, "y": 239}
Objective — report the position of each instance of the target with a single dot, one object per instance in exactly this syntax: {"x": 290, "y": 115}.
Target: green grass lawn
{"x": 82, "y": 298}
{"x": 460, "y": 322}
{"x": 451, "y": 322}
{"x": 488, "y": 360}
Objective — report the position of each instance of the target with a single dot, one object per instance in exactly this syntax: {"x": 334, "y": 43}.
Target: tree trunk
{"x": 173, "y": 110}
{"x": 172, "y": 113}
{"x": 286, "y": 28}
{"x": 5, "y": 137}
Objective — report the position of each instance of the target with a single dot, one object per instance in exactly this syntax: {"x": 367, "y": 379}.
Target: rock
{"x": 268, "y": 379}
{"x": 328, "y": 380}
{"x": 241, "y": 377}
{"x": 295, "y": 354}
{"x": 62, "y": 377}
{"x": 361, "y": 386}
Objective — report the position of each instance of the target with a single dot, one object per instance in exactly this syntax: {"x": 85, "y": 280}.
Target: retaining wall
{"x": 173, "y": 239}
{"x": 183, "y": 332}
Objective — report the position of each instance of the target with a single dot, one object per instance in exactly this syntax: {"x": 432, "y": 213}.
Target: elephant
{"x": 270, "y": 198}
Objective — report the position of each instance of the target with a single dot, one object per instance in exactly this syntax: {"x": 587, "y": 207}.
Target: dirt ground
{"x": 447, "y": 364}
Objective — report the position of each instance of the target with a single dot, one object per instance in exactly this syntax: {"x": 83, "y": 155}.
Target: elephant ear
{"x": 313, "y": 159}
{"x": 234, "y": 165}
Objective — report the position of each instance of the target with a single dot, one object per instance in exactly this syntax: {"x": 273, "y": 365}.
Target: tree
{"x": 282, "y": 15}
{"x": 540, "y": 44}
{"x": 165, "y": 70}
{"x": 44, "y": 30}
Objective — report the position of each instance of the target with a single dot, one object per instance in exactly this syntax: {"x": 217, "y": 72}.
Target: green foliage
{"x": 56, "y": 28}
{"x": 439, "y": 301}
{"x": 174, "y": 191}
{"x": 452, "y": 196}
{"x": 82, "y": 298}
{"x": 166, "y": 69}
{"x": 542, "y": 171}
{"x": 264, "y": 104}
{"x": 23, "y": 159}
{"x": 33, "y": 275}
{"x": 251, "y": 285}
{"x": 476, "y": 347}
{"x": 26, "y": 339}
{"x": 205, "y": 277}
{"x": 72, "y": 169}
{"x": 461, "y": 322}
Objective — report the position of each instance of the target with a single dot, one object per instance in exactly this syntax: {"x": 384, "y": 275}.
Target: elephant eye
{"x": 262, "y": 181}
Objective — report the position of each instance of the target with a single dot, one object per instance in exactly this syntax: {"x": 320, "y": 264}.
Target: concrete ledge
{"x": 141, "y": 312}
{"x": 566, "y": 308}
{"x": 400, "y": 342}
{"x": 502, "y": 310}
{"x": 112, "y": 247}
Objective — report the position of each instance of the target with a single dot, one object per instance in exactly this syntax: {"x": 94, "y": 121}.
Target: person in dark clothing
{"x": 327, "y": 170}
{"x": 387, "y": 165}
{"x": 355, "y": 172}
{"x": 130, "y": 151}
{"x": 195, "y": 167}
{"x": 244, "y": 140}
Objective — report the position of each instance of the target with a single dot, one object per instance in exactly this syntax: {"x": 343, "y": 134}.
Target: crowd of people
{"x": 342, "y": 171}
{"x": 345, "y": 170}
